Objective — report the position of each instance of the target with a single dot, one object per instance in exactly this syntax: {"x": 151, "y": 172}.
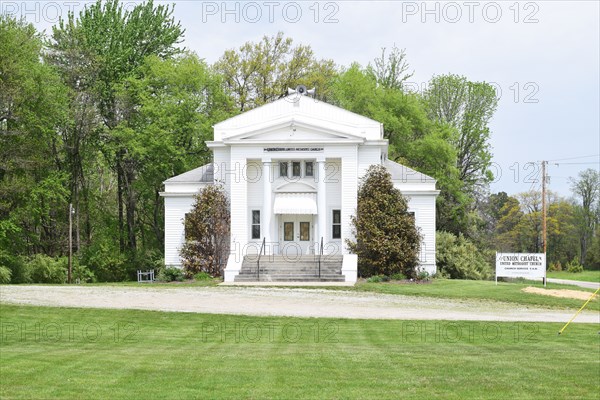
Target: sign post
{"x": 521, "y": 265}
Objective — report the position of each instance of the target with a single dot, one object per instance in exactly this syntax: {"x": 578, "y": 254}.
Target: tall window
{"x": 336, "y": 226}
{"x": 255, "y": 224}
{"x": 296, "y": 168}
{"x": 308, "y": 168}
{"x": 283, "y": 169}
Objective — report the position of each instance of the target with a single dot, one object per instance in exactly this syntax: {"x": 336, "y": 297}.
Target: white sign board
{"x": 521, "y": 265}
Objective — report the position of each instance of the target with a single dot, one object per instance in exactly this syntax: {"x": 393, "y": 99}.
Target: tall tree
{"x": 467, "y": 107}
{"x": 117, "y": 41}
{"x": 587, "y": 188}
{"x": 414, "y": 139}
{"x": 258, "y": 73}
{"x": 173, "y": 104}
{"x": 33, "y": 103}
{"x": 391, "y": 71}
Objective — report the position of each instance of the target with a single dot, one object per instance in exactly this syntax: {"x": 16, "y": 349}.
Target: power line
{"x": 575, "y": 158}
{"x": 578, "y": 163}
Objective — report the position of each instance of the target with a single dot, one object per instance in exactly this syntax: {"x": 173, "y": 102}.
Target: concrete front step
{"x": 286, "y": 269}
{"x": 287, "y": 261}
{"x": 291, "y": 278}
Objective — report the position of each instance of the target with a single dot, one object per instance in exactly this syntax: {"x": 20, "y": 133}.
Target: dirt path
{"x": 282, "y": 302}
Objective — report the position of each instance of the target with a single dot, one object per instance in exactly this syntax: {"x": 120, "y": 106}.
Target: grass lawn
{"x": 123, "y": 354}
{"x": 479, "y": 290}
{"x": 586, "y": 276}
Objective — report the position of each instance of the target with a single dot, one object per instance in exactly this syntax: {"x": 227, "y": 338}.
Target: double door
{"x": 296, "y": 235}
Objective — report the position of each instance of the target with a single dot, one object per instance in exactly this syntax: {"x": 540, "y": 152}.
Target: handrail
{"x": 262, "y": 248}
{"x": 320, "y": 254}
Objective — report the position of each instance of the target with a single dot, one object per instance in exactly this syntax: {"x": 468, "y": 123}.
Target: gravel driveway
{"x": 282, "y": 302}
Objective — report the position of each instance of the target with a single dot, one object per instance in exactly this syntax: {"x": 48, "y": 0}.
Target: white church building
{"x": 291, "y": 170}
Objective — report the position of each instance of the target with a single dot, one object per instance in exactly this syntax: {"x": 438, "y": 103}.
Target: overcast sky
{"x": 543, "y": 57}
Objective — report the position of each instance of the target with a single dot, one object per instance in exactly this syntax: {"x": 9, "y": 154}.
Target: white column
{"x": 349, "y": 176}
{"x": 267, "y": 210}
{"x": 321, "y": 205}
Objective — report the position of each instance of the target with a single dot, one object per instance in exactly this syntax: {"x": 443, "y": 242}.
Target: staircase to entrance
{"x": 272, "y": 268}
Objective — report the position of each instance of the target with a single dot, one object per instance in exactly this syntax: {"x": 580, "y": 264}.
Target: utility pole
{"x": 70, "y": 242}
{"x": 544, "y": 205}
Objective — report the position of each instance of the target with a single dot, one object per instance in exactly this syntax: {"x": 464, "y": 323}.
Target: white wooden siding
{"x": 239, "y": 202}
{"x": 367, "y": 156}
{"x": 175, "y": 210}
{"x": 424, "y": 208}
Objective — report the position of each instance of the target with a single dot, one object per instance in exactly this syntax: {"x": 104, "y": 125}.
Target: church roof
{"x": 203, "y": 174}
{"x": 300, "y": 109}
{"x": 402, "y": 173}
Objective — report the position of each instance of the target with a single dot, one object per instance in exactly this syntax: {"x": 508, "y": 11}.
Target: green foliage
{"x": 107, "y": 264}
{"x": 423, "y": 275}
{"x": 573, "y": 266}
{"x": 258, "y": 73}
{"x": 387, "y": 241}
{"x": 32, "y": 107}
{"x": 202, "y": 276}
{"x": 170, "y": 274}
{"x": 207, "y": 233}
{"x": 468, "y": 108}
{"x": 555, "y": 266}
{"x": 44, "y": 269}
{"x": 415, "y": 140}
{"x": 398, "y": 276}
{"x": 459, "y": 258}
{"x": 5, "y": 274}
{"x": 592, "y": 260}
{"x": 16, "y": 266}
{"x": 82, "y": 274}
{"x": 390, "y": 71}
{"x": 378, "y": 279}
{"x": 587, "y": 189}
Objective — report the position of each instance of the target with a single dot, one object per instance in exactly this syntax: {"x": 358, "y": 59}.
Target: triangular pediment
{"x": 291, "y": 130}
{"x": 313, "y": 119}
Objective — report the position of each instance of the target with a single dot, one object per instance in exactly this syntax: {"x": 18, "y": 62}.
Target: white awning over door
{"x": 295, "y": 203}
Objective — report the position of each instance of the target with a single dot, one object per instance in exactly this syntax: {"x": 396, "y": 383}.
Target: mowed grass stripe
{"x": 179, "y": 355}
{"x": 585, "y": 276}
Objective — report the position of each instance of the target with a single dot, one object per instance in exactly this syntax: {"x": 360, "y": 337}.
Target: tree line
{"x": 106, "y": 106}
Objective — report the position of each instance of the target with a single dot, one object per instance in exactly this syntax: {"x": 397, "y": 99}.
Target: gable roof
{"x": 299, "y": 108}
{"x": 203, "y": 174}
{"x": 403, "y": 173}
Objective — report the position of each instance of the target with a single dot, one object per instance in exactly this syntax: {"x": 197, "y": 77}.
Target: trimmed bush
{"x": 170, "y": 274}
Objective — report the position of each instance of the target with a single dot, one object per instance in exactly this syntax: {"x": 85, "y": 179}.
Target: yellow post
{"x": 577, "y": 313}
